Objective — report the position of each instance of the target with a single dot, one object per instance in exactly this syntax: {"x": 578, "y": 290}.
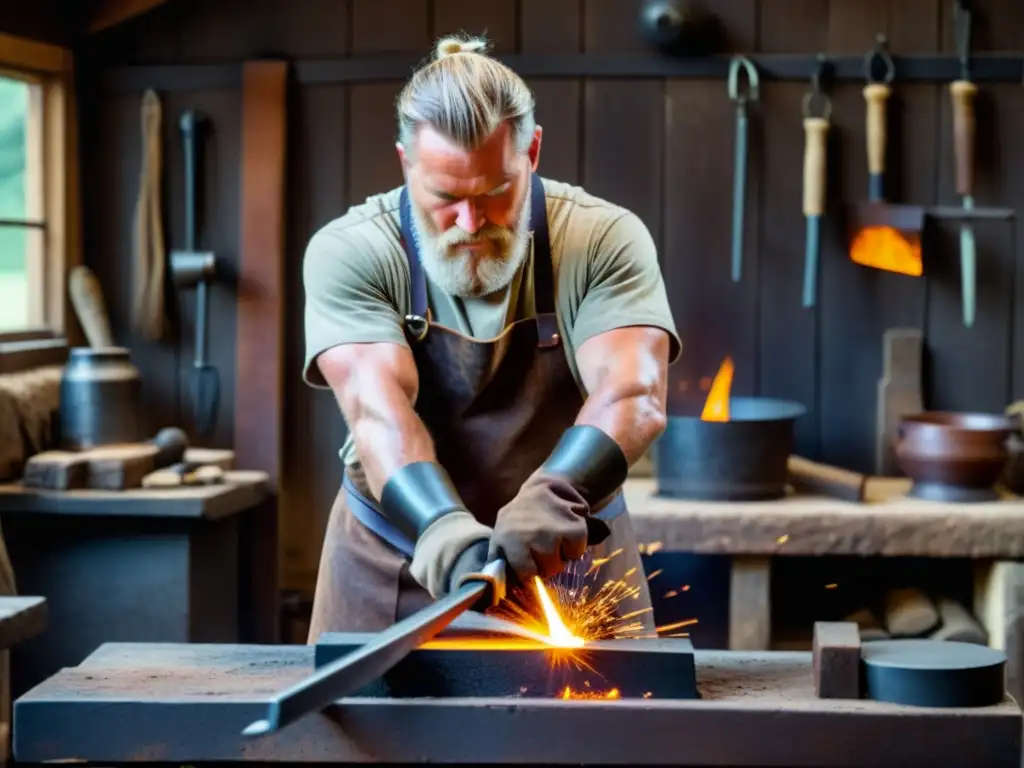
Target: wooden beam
{"x": 109, "y": 13}
{"x": 259, "y": 368}
{"x": 22, "y": 54}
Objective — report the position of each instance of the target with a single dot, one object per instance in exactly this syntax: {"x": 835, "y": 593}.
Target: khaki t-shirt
{"x": 606, "y": 277}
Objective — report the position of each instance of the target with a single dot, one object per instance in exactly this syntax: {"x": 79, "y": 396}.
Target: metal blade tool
{"x": 963, "y": 92}
{"x": 739, "y": 189}
{"x": 815, "y": 177}
{"x": 351, "y": 672}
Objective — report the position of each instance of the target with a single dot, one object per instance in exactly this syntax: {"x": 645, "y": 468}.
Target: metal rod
{"x": 1006, "y": 68}
{"x": 350, "y": 673}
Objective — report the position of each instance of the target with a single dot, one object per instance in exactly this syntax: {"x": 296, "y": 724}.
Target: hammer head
{"x": 189, "y": 267}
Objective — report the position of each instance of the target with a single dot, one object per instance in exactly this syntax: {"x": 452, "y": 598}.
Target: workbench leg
{"x": 5, "y": 704}
{"x": 750, "y": 626}
{"x": 999, "y": 606}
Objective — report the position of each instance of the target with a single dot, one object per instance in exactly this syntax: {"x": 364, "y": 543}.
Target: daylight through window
{"x": 22, "y": 219}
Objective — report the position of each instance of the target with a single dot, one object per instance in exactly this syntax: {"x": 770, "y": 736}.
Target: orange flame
{"x": 716, "y": 407}
{"x": 889, "y": 249}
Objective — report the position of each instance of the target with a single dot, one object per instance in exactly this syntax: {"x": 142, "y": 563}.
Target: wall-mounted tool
{"x": 883, "y": 235}
{"x": 817, "y": 108}
{"x": 149, "y": 268}
{"x": 962, "y": 92}
{"x": 189, "y": 268}
{"x": 90, "y": 307}
{"x": 679, "y": 27}
{"x": 741, "y": 97}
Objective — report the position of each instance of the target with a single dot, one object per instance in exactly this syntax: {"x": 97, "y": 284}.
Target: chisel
{"x": 815, "y": 137}
{"x": 963, "y": 92}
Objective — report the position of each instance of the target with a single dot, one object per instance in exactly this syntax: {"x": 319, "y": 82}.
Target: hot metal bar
{"x": 660, "y": 668}
{"x": 923, "y": 68}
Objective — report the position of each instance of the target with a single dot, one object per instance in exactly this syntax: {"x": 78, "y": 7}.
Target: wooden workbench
{"x": 147, "y": 565}
{"x": 188, "y": 704}
{"x": 21, "y": 617}
{"x": 887, "y": 524}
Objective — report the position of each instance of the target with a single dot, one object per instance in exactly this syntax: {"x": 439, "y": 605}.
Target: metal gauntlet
{"x": 590, "y": 460}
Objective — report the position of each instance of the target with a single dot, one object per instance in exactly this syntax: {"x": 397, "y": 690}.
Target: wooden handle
{"x": 875, "y": 96}
{"x": 87, "y": 299}
{"x": 815, "y": 135}
{"x": 811, "y": 477}
{"x": 962, "y": 92}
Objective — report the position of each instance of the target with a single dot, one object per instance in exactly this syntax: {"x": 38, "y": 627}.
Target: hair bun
{"x": 449, "y": 46}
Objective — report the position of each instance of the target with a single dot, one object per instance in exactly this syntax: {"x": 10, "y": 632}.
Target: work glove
{"x": 544, "y": 528}
{"x": 440, "y": 546}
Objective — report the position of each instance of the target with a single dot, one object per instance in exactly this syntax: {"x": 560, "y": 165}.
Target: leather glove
{"x": 441, "y": 545}
{"x": 544, "y": 527}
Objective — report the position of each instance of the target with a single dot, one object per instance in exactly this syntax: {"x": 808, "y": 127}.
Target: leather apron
{"x": 495, "y": 409}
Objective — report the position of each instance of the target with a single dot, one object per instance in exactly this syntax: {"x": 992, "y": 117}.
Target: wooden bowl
{"x": 954, "y": 456}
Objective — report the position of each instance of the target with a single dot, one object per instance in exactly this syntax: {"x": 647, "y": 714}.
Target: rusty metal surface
{"x": 188, "y": 703}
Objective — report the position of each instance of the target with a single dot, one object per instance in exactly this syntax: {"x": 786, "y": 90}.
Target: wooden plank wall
{"x": 661, "y": 147}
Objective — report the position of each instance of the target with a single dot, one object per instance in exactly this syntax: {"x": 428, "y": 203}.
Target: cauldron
{"x": 743, "y": 459}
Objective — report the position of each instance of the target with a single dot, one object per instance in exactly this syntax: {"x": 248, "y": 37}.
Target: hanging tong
{"x": 817, "y": 108}
{"x": 740, "y": 97}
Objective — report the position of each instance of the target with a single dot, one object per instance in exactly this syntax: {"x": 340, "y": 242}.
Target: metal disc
{"x": 934, "y": 673}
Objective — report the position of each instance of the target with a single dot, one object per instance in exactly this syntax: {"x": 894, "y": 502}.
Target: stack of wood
{"x": 910, "y": 612}
{"x": 166, "y": 461}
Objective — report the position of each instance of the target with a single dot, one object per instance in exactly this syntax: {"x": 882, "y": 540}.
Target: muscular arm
{"x": 625, "y": 372}
{"x": 375, "y": 386}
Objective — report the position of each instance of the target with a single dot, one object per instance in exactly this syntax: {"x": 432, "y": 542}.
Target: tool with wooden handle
{"x": 87, "y": 299}
{"x": 963, "y": 93}
{"x": 816, "y": 137}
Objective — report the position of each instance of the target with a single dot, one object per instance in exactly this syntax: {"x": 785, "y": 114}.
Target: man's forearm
{"x": 388, "y": 433}
{"x": 630, "y": 414}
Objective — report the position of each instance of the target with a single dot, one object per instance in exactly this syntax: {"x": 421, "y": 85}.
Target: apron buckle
{"x": 417, "y": 326}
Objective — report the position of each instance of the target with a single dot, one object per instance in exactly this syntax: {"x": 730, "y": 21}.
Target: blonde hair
{"x": 465, "y": 95}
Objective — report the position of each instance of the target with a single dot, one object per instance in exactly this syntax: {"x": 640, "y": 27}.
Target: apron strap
{"x": 366, "y": 512}
{"x": 543, "y": 273}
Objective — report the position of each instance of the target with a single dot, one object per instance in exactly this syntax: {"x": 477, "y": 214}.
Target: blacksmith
{"x": 498, "y": 345}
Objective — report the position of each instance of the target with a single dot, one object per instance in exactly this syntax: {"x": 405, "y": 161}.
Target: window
{"x": 22, "y": 217}
{"x": 40, "y": 238}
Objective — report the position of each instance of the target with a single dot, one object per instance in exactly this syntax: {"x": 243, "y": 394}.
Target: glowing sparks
{"x": 569, "y": 693}
{"x": 782, "y": 539}
{"x": 558, "y": 633}
{"x": 831, "y": 586}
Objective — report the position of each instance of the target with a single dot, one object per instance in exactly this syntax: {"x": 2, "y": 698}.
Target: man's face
{"x": 471, "y": 209}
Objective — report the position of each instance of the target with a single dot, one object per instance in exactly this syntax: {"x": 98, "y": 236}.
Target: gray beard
{"x": 462, "y": 273}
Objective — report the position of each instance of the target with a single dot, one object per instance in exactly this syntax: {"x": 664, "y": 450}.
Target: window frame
{"x": 49, "y": 68}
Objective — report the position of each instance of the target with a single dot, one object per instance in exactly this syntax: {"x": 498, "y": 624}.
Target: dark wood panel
{"x": 314, "y": 427}
{"x": 554, "y": 26}
{"x": 610, "y": 26}
{"x": 111, "y": 178}
{"x": 715, "y": 316}
{"x": 495, "y": 19}
{"x": 788, "y": 351}
{"x": 390, "y": 26}
{"x": 217, "y": 217}
{"x": 550, "y": 26}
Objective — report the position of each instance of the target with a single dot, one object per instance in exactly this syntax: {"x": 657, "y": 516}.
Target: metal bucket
{"x": 743, "y": 459}
{"x": 99, "y": 399}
